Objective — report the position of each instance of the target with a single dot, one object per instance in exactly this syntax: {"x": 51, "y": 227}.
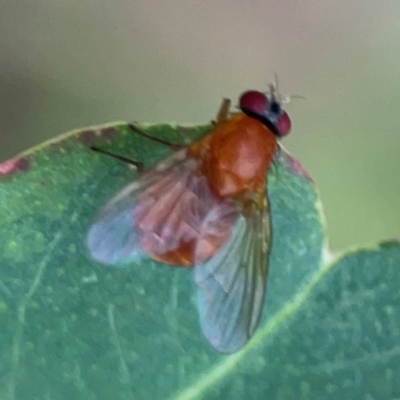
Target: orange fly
{"x": 206, "y": 207}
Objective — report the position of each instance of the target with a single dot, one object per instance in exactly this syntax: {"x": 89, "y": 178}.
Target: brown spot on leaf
{"x": 88, "y": 138}
{"x": 108, "y": 133}
{"x": 13, "y": 166}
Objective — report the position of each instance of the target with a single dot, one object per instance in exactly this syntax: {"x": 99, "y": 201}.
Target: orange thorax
{"x": 235, "y": 158}
{"x": 236, "y": 155}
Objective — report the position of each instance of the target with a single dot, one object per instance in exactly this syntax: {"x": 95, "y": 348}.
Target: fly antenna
{"x": 281, "y": 98}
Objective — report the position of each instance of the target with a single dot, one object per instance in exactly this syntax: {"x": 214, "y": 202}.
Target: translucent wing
{"x": 155, "y": 214}
{"x": 231, "y": 285}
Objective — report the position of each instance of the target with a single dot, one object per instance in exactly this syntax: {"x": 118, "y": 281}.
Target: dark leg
{"x": 137, "y": 164}
{"x": 173, "y": 146}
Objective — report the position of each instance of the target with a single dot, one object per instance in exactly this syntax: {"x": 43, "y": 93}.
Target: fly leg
{"x": 126, "y": 160}
{"x": 223, "y": 113}
{"x": 139, "y": 165}
{"x": 172, "y": 146}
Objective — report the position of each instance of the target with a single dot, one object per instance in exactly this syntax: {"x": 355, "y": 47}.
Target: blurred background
{"x": 70, "y": 64}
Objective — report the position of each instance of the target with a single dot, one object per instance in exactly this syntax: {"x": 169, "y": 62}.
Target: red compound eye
{"x": 283, "y": 124}
{"x": 253, "y": 101}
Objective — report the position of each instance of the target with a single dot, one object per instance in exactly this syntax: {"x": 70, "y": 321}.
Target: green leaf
{"x": 74, "y": 329}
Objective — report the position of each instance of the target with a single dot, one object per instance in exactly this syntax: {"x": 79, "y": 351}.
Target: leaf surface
{"x": 74, "y": 329}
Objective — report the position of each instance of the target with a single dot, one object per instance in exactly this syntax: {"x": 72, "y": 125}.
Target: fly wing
{"x": 231, "y": 285}
{"x": 155, "y": 214}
